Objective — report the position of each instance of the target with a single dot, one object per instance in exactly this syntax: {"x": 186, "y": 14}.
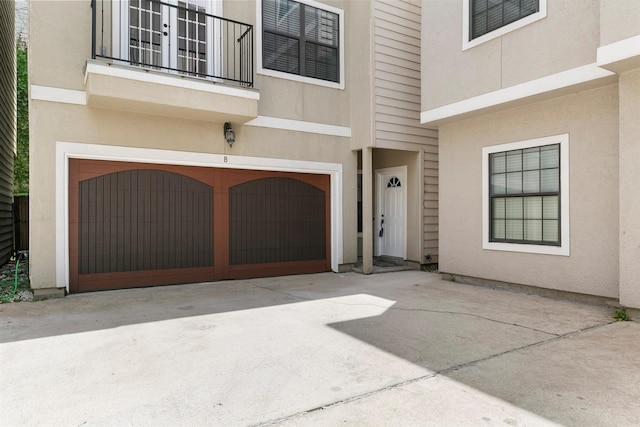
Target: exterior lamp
{"x": 229, "y": 134}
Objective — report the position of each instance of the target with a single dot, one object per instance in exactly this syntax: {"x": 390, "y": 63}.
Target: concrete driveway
{"x": 402, "y": 348}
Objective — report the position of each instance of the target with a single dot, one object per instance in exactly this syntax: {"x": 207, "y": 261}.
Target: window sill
{"x": 524, "y": 248}
{"x": 300, "y": 79}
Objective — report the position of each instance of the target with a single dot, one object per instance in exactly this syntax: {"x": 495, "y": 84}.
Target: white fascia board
{"x": 56, "y": 94}
{"x": 547, "y": 85}
{"x": 300, "y": 126}
{"x": 614, "y": 56}
{"x": 147, "y": 76}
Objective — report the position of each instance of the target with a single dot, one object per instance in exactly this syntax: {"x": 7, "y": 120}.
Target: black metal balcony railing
{"x": 180, "y": 38}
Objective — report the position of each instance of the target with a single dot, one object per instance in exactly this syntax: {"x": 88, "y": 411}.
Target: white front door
{"x": 182, "y": 38}
{"x": 391, "y": 215}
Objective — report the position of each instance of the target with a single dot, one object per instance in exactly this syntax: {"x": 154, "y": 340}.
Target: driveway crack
{"x": 425, "y": 310}
{"x": 441, "y": 372}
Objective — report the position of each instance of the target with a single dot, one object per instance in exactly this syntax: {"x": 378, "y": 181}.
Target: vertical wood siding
{"x": 397, "y": 37}
{"x": 7, "y": 125}
{"x": 431, "y": 218}
{"x": 276, "y": 220}
{"x": 139, "y": 220}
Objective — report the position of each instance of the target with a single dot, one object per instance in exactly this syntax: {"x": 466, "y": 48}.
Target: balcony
{"x": 171, "y": 58}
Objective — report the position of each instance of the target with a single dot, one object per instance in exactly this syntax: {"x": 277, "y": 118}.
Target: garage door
{"x": 137, "y": 225}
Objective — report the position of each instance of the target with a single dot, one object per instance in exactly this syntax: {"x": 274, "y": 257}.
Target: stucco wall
{"x": 591, "y": 120}
{"x": 619, "y": 19}
{"x": 567, "y": 38}
{"x": 629, "y": 189}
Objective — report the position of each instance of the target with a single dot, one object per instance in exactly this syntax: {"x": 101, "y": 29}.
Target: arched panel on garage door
{"x": 144, "y": 220}
{"x": 276, "y": 220}
{"x": 277, "y": 224}
{"x": 143, "y": 227}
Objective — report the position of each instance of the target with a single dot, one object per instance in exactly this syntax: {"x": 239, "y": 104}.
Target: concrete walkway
{"x": 402, "y": 348}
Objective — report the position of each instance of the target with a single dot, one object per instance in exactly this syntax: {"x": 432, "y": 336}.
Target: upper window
{"x": 301, "y": 39}
{"x": 526, "y": 200}
{"x": 485, "y": 20}
{"x": 489, "y": 15}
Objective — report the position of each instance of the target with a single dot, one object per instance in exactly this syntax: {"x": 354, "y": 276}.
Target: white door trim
{"x": 401, "y": 171}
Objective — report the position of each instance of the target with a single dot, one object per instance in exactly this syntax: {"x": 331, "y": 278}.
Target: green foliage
{"x": 21, "y": 164}
{"x": 621, "y": 315}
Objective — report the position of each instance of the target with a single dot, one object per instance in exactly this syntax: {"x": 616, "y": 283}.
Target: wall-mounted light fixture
{"x": 229, "y": 134}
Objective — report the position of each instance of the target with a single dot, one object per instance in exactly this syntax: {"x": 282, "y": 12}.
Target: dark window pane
{"x": 530, "y": 178}
{"x": 284, "y": 38}
{"x": 321, "y": 62}
{"x": 281, "y": 53}
{"x": 489, "y": 15}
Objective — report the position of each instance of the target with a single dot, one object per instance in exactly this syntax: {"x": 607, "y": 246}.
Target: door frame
{"x": 120, "y": 34}
{"x": 401, "y": 171}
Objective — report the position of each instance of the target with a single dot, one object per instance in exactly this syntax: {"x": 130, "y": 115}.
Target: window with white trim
{"x": 485, "y": 20}
{"x": 489, "y": 15}
{"x": 301, "y": 38}
{"x": 526, "y": 196}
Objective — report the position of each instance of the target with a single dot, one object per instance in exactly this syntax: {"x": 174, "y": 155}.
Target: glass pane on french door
{"x": 192, "y": 37}
{"x": 172, "y": 34}
{"x": 145, "y": 33}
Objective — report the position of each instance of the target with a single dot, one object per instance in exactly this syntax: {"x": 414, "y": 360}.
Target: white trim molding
{"x": 300, "y": 126}
{"x": 467, "y": 43}
{"x": 620, "y": 56}
{"x": 56, "y": 94}
{"x": 585, "y": 77}
{"x": 564, "y": 248}
{"x": 70, "y": 150}
{"x": 148, "y": 76}
{"x": 279, "y": 74}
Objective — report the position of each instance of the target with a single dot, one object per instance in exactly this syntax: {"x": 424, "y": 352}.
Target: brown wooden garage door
{"x": 143, "y": 225}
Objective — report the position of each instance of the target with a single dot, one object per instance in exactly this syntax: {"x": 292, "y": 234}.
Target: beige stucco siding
{"x": 619, "y": 19}
{"x": 59, "y": 50}
{"x": 567, "y": 38}
{"x": 591, "y": 120}
{"x": 629, "y": 189}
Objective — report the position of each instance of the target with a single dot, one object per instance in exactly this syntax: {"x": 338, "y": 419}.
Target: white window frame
{"x": 310, "y": 80}
{"x": 468, "y": 44}
{"x": 564, "y": 248}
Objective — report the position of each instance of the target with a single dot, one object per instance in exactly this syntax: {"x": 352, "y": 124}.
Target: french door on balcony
{"x": 179, "y": 35}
